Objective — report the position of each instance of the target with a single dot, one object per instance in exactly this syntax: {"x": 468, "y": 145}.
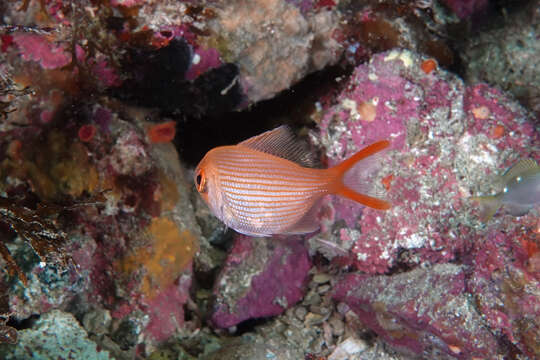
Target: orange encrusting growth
{"x": 340, "y": 189}
{"x": 163, "y": 259}
{"x": 162, "y": 133}
{"x": 497, "y": 132}
{"x": 428, "y": 65}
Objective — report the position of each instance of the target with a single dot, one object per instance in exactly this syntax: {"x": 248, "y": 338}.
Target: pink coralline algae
{"x": 105, "y": 73}
{"x": 424, "y": 312}
{"x": 442, "y": 153}
{"x": 261, "y": 277}
{"x": 166, "y": 311}
{"x": 202, "y": 61}
{"x": 39, "y": 48}
{"x": 505, "y": 283}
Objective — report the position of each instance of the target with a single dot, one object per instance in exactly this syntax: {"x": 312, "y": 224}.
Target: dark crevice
{"x": 195, "y": 136}
{"x": 250, "y": 325}
{"x": 24, "y": 323}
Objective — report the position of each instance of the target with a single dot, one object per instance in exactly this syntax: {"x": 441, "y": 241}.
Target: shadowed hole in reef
{"x": 157, "y": 78}
{"x": 195, "y": 136}
{"x": 250, "y": 325}
{"x": 24, "y": 323}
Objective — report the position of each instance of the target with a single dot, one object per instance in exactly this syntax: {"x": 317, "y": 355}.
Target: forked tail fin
{"x": 349, "y": 180}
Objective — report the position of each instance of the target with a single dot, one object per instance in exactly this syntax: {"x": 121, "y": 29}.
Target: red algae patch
{"x": 86, "y": 133}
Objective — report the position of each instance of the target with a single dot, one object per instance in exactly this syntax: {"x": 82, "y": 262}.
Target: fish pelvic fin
{"x": 350, "y": 179}
{"x": 488, "y": 206}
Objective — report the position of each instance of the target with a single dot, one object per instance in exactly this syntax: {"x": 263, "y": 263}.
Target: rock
{"x": 338, "y": 327}
{"x": 351, "y": 347}
{"x": 505, "y": 286}
{"x": 506, "y": 60}
{"x": 97, "y": 321}
{"x": 300, "y": 312}
{"x": 423, "y": 312}
{"x": 262, "y": 277}
{"x": 321, "y": 278}
{"x": 445, "y": 137}
{"x": 255, "y": 350}
{"x": 278, "y": 46}
{"x": 55, "y": 335}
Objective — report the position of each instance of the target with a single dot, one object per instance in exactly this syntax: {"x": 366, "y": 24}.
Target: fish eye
{"x": 200, "y": 182}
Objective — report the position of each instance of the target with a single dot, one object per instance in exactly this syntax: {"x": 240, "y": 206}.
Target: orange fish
{"x": 259, "y": 187}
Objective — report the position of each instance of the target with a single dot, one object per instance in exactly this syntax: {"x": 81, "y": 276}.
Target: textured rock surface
{"x": 278, "y": 46}
{"x": 133, "y": 248}
{"x": 261, "y": 277}
{"x": 424, "y": 312}
{"x": 449, "y": 142}
{"x": 505, "y": 284}
{"x": 503, "y": 56}
{"x": 56, "y": 335}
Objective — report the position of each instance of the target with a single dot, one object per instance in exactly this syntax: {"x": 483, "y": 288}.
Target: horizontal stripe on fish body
{"x": 269, "y": 204}
{"x": 269, "y": 193}
{"x": 271, "y": 172}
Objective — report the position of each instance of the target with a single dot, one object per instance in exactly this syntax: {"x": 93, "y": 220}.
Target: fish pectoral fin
{"x": 488, "y": 206}
{"x": 307, "y": 223}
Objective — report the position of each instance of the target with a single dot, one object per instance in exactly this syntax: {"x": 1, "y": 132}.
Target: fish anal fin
{"x": 307, "y": 223}
{"x": 523, "y": 168}
{"x": 488, "y": 206}
{"x": 282, "y": 142}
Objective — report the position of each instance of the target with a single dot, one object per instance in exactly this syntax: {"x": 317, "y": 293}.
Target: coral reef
{"x": 108, "y": 251}
{"x": 504, "y": 283}
{"x": 443, "y": 145}
{"x": 55, "y": 335}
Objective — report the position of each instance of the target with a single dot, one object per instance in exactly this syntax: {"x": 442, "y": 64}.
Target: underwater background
{"x": 107, "y": 250}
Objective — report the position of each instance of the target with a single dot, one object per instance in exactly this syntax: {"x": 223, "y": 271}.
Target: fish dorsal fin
{"x": 523, "y": 168}
{"x": 281, "y": 142}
